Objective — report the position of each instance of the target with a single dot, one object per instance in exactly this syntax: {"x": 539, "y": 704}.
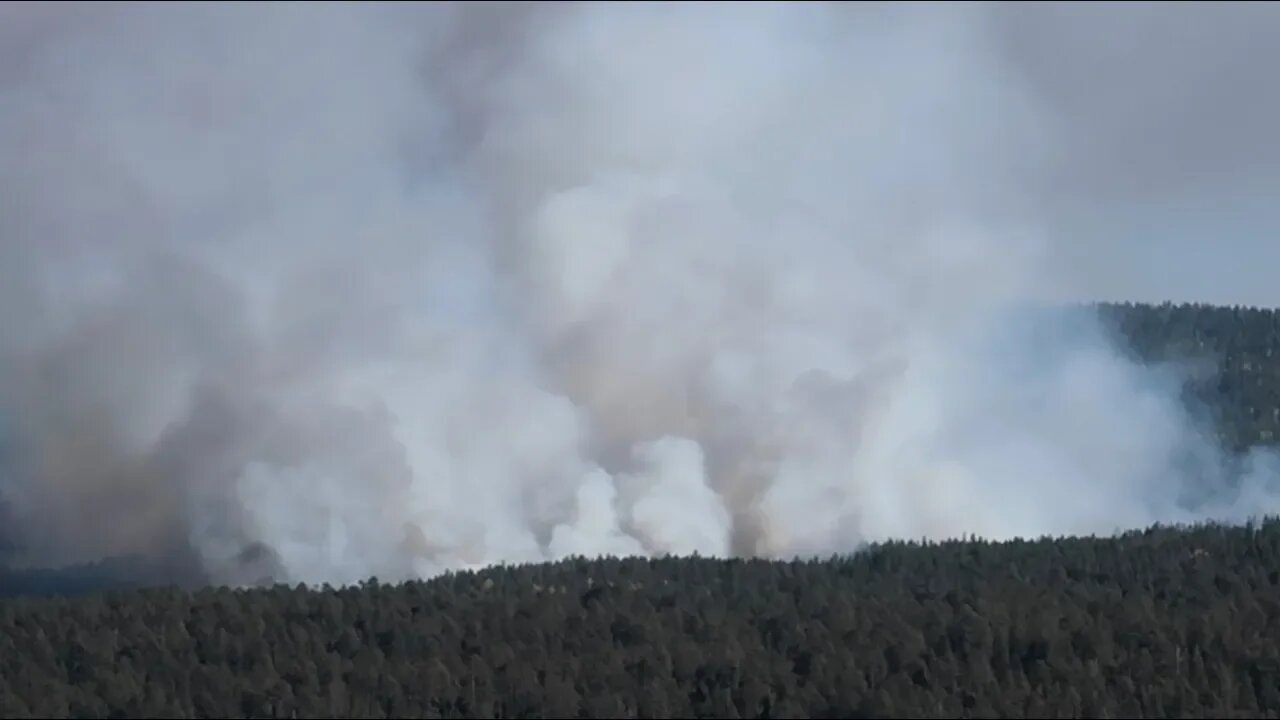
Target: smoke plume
{"x": 319, "y": 292}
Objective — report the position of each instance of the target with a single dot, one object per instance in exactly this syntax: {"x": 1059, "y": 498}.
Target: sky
{"x": 1167, "y": 186}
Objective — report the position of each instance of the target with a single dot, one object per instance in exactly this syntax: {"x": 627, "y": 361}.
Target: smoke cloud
{"x": 321, "y": 292}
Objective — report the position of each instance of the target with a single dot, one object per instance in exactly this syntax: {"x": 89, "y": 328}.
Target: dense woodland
{"x": 1166, "y": 622}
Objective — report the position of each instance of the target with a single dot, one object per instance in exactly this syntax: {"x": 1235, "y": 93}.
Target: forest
{"x": 1160, "y": 622}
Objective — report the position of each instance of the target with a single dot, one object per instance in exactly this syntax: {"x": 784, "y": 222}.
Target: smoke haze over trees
{"x": 313, "y": 293}
{"x": 319, "y": 292}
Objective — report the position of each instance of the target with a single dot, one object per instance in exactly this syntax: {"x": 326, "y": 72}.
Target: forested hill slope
{"x": 1235, "y": 349}
{"x": 1161, "y": 623}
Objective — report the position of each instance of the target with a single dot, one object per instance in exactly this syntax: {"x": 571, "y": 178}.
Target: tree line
{"x": 1167, "y": 622}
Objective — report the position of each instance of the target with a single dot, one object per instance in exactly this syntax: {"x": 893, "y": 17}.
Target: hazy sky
{"x": 1167, "y": 186}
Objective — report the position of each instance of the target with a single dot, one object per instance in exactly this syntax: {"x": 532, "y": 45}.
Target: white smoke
{"x": 324, "y": 292}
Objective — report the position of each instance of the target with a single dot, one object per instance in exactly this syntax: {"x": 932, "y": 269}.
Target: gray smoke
{"x": 320, "y": 292}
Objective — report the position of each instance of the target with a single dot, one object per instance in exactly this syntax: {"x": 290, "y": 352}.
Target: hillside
{"x": 1236, "y": 351}
{"x": 1167, "y": 622}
